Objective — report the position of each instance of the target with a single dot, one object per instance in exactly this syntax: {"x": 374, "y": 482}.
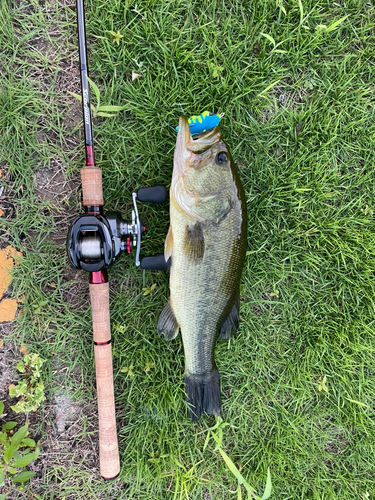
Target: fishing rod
{"x": 94, "y": 241}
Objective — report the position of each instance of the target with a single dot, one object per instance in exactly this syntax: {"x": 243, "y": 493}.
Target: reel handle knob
{"x": 155, "y": 262}
{"x": 154, "y": 194}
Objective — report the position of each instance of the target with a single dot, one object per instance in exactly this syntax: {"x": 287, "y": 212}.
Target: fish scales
{"x": 207, "y": 243}
{"x": 200, "y": 290}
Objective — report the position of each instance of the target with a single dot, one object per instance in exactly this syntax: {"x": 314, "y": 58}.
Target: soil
{"x": 51, "y": 185}
{"x": 7, "y": 362}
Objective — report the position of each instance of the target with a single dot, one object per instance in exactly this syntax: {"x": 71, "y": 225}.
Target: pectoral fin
{"x": 231, "y": 323}
{"x": 194, "y": 242}
{"x": 168, "y": 245}
{"x": 167, "y": 323}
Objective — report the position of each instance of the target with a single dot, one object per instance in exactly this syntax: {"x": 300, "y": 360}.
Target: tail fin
{"x": 203, "y": 394}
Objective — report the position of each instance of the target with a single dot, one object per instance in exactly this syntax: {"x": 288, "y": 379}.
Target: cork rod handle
{"x": 108, "y": 445}
{"x": 92, "y": 191}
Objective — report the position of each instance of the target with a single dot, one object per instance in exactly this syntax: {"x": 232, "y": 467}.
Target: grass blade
{"x": 107, "y": 115}
{"x": 77, "y": 96}
{"x": 334, "y": 25}
{"x": 96, "y": 91}
{"x": 301, "y": 12}
{"x": 111, "y": 108}
{"x": 270, "y": 38}
{"x": 268, "y": 88}
{"x": 237, "y": 474}
{"x": 268, "y": 489}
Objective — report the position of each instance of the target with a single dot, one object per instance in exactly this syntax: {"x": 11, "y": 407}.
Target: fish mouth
{"x": 200, "y": 144}
{"x": 190, "y": 154}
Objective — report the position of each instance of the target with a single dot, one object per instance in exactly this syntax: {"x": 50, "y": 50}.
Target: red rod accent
{"x": 89, "y": 156}
{"x": 99, "y": 277}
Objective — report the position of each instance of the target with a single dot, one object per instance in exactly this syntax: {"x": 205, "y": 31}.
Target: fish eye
{"x": 221, "y": 158}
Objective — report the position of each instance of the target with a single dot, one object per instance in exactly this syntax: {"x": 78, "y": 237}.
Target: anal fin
{"x": 167, "y": 323}
{"x": 231, "y": 323}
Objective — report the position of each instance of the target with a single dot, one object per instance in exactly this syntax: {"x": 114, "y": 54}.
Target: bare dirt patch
{"x": 73, "y": 117}
{"x": 51, "y": 184}
{"x": 7, "y": 211}
{"x": 7, "y": 362}
{"x": 77, "y": 294}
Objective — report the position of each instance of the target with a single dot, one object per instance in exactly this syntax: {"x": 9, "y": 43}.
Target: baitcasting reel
{"x": 95, "y": 240}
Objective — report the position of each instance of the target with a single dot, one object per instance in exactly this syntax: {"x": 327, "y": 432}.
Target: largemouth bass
{"x": 207, "y": 245}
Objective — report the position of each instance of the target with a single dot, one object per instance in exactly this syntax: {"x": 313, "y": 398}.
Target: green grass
{"x": 307, "y": 290}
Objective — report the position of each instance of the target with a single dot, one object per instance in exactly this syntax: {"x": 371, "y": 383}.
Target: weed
{"x": 117, "y": 37}
{"x": 17, "y": 451}
{"x": 322, "y": 384}
{"x": 100, "y": 110}
{"x": 218, "y": 438}
{"x": 30, "y": 390}
{"x": 149, "y": 289}
{"x": 129, "y": 370}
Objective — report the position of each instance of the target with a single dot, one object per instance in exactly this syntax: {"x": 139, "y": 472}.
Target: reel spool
{"x": 95, "y": 240}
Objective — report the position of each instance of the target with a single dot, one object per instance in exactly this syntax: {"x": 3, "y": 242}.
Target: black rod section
{"x": 85, "y": 88}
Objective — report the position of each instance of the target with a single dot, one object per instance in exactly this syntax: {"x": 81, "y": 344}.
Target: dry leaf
{"x": 12, "y": 252}
{"x": 135, "y": 76}
{"x": 8, "y": 307}
{"x": 24, "y": 350}
{"x": 8, "y": 310}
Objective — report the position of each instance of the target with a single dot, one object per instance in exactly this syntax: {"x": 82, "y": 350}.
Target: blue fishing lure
{"x": 203, "y": 122}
